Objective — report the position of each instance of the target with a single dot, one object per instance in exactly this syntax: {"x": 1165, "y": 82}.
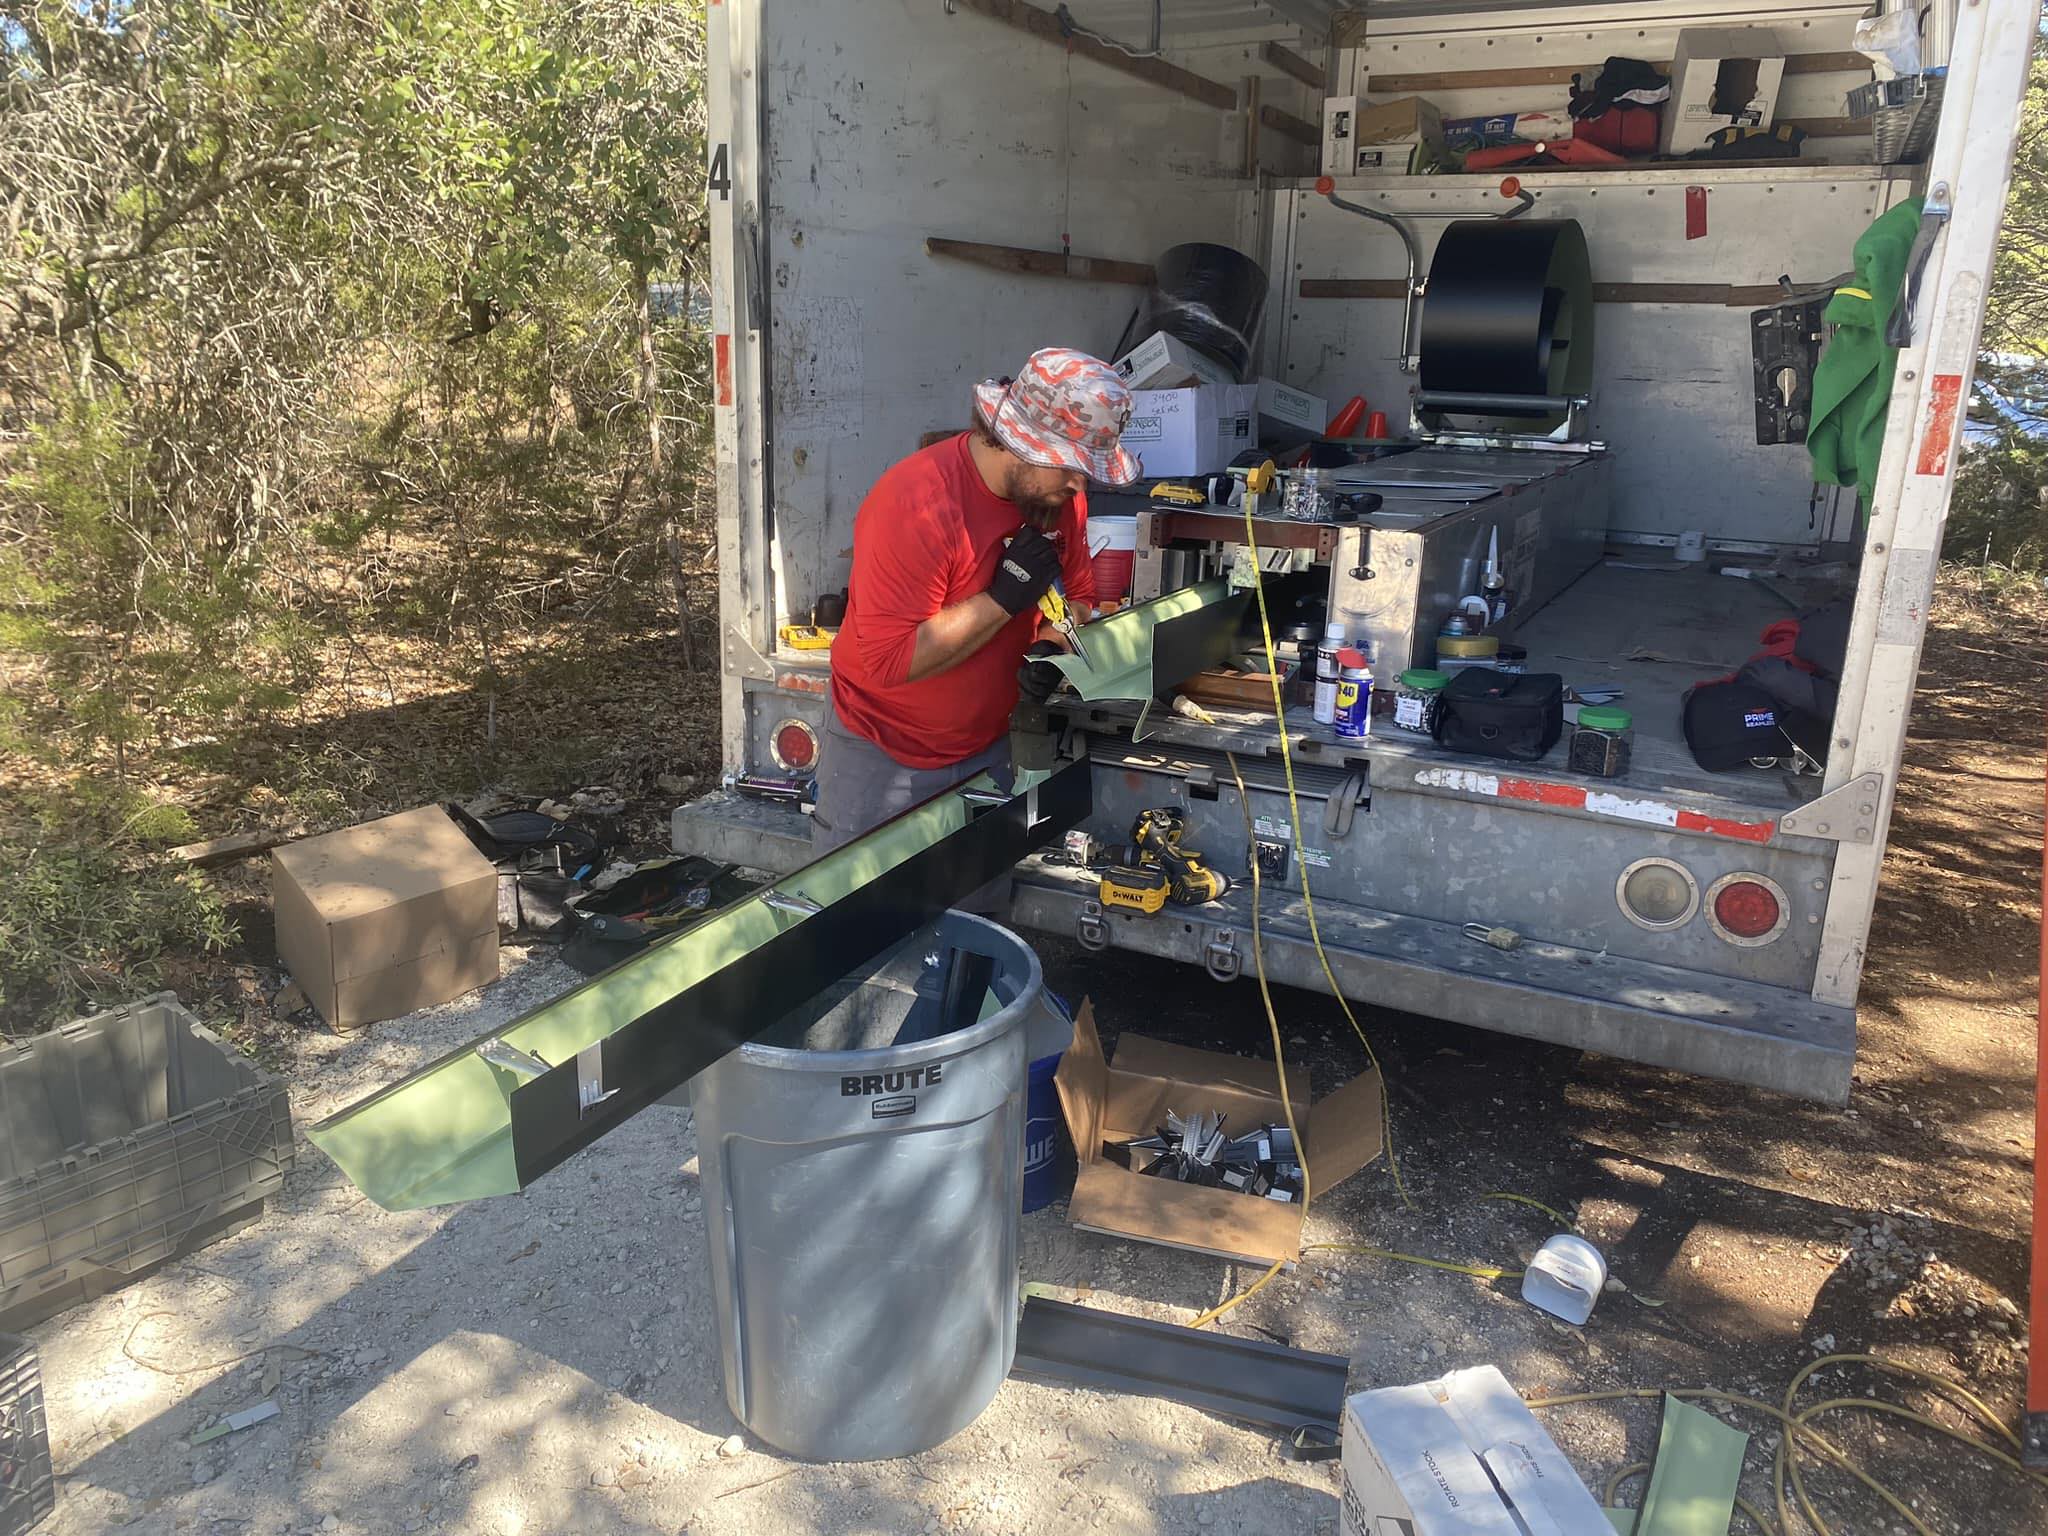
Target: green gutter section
{"x": 1119, "y": 664}
{"x": 445, "y": 1133}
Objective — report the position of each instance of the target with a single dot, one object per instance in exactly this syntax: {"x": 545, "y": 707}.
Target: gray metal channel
{"x": 1740, "y": 1031}
{"x": 1546, "y": 871}
{"x": 863, "y": 1166}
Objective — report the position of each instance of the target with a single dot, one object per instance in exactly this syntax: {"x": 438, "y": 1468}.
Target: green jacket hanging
{"x": 1852, "y": 387}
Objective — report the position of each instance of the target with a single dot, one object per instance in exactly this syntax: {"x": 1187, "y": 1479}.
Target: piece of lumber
{"x": 1423, "y": 84}
{"x": 1287, "y": 124}
{"x": 236, "y": 845}
{"x": 1045, "y": 26}
{"x": 1230, "y": 689}
{"x": 1018, "y": 258}
{"x": 1288, "y": 62}
{"x": 1725, "y": 295}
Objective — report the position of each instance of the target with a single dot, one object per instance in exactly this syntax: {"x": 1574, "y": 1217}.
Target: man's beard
{"x": 1042, "y": 515}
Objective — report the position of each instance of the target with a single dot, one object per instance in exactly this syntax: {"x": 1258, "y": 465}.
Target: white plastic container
{"x": 1565, "y": 1278}
{"x": 1327, "y": 675}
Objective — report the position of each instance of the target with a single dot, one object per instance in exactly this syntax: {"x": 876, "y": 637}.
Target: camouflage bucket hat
{"x": 1065, "y": 410}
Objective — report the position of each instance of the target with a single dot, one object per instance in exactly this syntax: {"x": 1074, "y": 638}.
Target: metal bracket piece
{"x": 743, "y": 660}
{"x": 1091, "y": 928}
{"x": 590, "y": 1088}
{"x": 1934, "y": 216}
{"x": 1845, "y": 814}
{"x": 1220, "y": 957}
{"x": 523, "y": 1065}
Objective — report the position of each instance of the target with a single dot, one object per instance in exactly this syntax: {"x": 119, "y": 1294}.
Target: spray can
{"x": 1354, "y": 696}
{"x": 1326, "y": 674}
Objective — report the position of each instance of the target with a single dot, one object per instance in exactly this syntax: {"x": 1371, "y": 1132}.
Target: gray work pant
{"x": 860, "y": 786}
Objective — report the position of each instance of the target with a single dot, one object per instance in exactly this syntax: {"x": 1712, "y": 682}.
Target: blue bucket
{"x": 1044, "y": 1124}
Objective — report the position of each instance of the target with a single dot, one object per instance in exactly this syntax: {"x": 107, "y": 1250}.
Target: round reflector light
{"x": 1747, "y": 908}
{"x": 1657, "y": 894}
{"x": 794, "y": 747}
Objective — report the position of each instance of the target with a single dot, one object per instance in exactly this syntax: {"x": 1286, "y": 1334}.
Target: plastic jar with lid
{"x": 1603, "y": 741}
{"x": 1418, "y": 696}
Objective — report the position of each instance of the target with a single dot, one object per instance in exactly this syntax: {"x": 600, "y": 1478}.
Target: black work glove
{"x": 1024, "y": 571}
{"x": 1035, "y": 681}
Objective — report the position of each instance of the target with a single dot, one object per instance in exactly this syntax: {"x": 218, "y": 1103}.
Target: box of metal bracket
{"x": 1458, "y": 1456}
{"x": 126, "y": 1139}
{"x": 1109, "y": 1102}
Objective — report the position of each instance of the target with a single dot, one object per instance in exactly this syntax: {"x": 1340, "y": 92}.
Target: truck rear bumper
{"x": 1711, "y": 1026}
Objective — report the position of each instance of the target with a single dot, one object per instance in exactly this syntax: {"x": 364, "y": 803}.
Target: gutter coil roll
{"x": 1509, "y": 311}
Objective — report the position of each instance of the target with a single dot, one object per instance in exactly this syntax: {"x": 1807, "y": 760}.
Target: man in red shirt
{"x": 951, "y": 552}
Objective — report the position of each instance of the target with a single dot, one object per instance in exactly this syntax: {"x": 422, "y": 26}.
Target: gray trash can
{"x": 862, "y": 1166}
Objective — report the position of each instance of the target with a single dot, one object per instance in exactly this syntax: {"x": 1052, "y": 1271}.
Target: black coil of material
{"x": 1508, "y": 311}
{"x": 1212, "y": 298}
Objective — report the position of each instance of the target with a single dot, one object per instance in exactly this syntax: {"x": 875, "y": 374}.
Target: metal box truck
{"x": 908, "y": 196}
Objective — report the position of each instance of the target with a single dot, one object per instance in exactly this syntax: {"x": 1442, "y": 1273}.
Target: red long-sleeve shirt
{"x": 928, "y": 537}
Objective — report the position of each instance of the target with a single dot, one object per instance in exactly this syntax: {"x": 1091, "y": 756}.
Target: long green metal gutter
{"x": 1126, "y": 656}
{"x": 489, "y": 1117}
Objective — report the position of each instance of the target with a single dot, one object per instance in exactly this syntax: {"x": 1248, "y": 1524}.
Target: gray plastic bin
{"x": 862, "y": 1166}
{"x": 126, "y": 1139}
{"x": 28, "y": 1491}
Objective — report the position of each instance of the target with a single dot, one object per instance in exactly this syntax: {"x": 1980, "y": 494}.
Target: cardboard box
{"x": 1129, "y": 1098}
{"x": 1404, "y": 136}
{"x": 1720, "y": 76}
{"x": 1459, "y": 1456}
{"x": 1161, "y": 361}
{"x": 1190, "y": 431}
{"x": 1286, "y": 415}
{"x": 377, "y": 920}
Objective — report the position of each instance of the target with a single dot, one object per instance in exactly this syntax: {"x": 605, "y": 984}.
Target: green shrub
{"x": 88, "y": 908}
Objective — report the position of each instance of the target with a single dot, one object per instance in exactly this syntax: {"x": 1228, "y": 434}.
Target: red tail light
{"x": 1747, "y": 909}
{"x": 794, "y": 747}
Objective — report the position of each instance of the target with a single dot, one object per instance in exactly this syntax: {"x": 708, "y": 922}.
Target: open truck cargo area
{"x": 1641, "y": 497}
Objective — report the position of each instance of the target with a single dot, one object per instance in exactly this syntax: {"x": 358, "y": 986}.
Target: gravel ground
{"x": 547, "y": 1362}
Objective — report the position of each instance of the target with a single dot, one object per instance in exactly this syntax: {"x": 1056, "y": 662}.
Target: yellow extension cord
{"x": 1798, "y": 1430}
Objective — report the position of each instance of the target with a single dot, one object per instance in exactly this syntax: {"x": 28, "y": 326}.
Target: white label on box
{"x": 1267, "y": 826}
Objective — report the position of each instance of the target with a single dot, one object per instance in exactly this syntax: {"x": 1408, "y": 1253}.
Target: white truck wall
{"x": 1672, "y": 382}
{"x": 891, "y": 121}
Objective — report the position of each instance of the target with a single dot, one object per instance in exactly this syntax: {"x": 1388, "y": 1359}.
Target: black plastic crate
{"x": 28, "y": 1491}
{"x": 126, "y": 1139}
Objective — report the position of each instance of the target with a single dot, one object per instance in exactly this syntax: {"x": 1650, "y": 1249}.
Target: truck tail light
{"x": 1747, "y": 908}
{"x": 794, "y": 746}
{"x": 1657, "y": 894}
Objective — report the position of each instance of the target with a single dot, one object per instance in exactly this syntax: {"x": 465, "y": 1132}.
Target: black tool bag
{"x": 1516, "y": 715}
{"x": 1735, "y": 724}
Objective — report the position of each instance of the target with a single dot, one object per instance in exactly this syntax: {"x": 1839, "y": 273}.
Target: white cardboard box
{"x": 1289, "y": 415}
{"x": 1720, "y": 76}
{"x": 1161, "y": 361}
{"x": 1459, "y": 1456}
{"x": 1190, "y": 431}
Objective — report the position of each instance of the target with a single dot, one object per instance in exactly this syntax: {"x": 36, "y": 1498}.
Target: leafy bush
{"x": 88, "y": 910}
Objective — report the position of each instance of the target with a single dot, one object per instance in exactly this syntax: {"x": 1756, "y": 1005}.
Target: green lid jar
{"x": 1603, "y": 741}
{"x": 1605, "y": 717}
{"x": 1418, "y": 697}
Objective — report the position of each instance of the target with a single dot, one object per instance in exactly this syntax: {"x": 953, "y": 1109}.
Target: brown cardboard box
{"x": 377, "y": 920}
{"x": 1119, "y": 1101}
{"x": 1720, "y": 77}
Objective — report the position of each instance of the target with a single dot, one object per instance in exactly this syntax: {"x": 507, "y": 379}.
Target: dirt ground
{"x": 547, "y": 1363}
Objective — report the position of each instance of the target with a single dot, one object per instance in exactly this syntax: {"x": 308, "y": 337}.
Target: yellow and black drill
{"x": 1155, "y": 867}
